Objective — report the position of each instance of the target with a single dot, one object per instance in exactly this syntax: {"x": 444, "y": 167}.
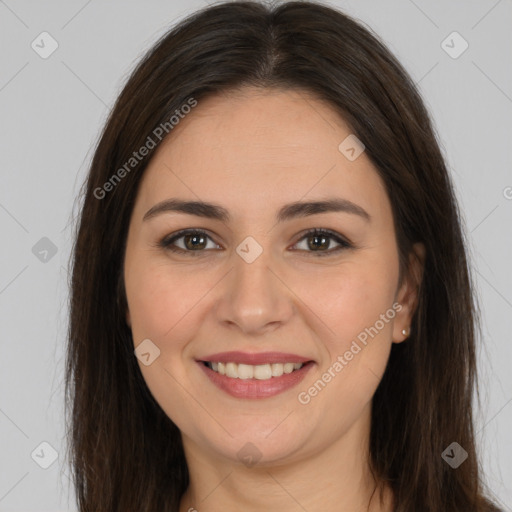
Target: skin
{"x": 252, "y": 152}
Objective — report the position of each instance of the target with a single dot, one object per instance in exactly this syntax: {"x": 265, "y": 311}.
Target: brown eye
{"x": 193, "y": 242}
{"x": 187, "y": 241}
{"x": 319, "y": 241}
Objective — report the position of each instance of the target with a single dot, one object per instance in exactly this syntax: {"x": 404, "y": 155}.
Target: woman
{"x": 271, "y": 303}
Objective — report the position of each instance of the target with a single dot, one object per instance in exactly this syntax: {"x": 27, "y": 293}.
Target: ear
{"x": 407, "y": 295}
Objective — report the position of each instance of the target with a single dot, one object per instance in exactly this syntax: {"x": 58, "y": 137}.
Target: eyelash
{"x": 167, "y": 242}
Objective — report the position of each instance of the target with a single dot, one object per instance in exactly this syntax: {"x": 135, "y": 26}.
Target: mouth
{"x": 274, "y": 374}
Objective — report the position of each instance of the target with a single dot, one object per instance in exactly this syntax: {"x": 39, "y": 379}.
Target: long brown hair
{"x": 125, "y": 453}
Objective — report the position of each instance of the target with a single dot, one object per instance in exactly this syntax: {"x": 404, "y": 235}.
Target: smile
{"x": 250, "y": 381}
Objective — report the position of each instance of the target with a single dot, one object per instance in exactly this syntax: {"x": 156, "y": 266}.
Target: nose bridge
{"x": 255, "y": 297}
{"x": 252, "y": 271}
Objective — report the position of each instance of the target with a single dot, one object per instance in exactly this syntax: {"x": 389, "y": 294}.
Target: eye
{"x": 194, "y": 241}
{"x": 320, "y": 240}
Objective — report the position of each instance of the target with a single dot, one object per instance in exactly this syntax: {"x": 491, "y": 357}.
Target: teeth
{"x": 288, "y": 368}
{"x": 248, "y": 371}
{"x": 231, "y": 370}
{"x": 277, "y": 370}
{"x": 245, "y": 371}
{"x": 262, "y": 372}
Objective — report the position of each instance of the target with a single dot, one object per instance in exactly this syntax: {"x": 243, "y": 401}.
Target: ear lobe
{"x": 407, "y": 295}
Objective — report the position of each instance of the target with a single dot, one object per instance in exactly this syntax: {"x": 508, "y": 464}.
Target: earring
{"x": 405, "y": 332}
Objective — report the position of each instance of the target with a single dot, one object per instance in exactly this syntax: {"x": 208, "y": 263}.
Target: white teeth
{"x": 248, "y": 371}
{"x": 245, "y": 371}
{"x": 231, "y": 370}
{"x": 288, "y": 368}
{"x": 262, "y": 372}
{"x": 277, "y": 370}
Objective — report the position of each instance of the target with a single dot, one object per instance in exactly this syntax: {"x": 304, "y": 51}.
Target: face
{"x": 249, "y": 284}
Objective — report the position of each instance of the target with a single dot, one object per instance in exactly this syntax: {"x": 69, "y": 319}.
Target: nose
{"x": 254, "y": 298}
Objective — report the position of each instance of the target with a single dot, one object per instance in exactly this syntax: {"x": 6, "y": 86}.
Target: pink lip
{"x": 254, "y": 388}
{"x": 254, "y": 359}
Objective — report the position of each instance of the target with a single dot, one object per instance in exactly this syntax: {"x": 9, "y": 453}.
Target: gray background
{"x": 51, "y": 113}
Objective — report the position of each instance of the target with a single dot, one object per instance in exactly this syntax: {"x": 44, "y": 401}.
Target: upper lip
{"x": 254, "y": 358}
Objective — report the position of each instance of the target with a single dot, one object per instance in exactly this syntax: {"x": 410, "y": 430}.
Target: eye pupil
{"x": 195, "y": 237}
{"x": 323, "y": 244}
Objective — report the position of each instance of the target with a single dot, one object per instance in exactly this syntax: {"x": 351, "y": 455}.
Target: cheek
{"x": 159, "y": 298}
{"x": 359, "y": 309}
{"x": 350, "y": 298}
{"x": 161, "y": 303}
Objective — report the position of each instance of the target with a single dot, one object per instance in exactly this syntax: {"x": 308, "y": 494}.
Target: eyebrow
{"x": 287, "y": 212}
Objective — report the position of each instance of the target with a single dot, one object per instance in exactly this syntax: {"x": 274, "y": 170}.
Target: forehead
{"x": 282, "y": 122}
{"x": 252, "y": 146}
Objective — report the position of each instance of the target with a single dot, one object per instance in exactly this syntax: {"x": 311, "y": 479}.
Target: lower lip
{"x": 254, "y": 388}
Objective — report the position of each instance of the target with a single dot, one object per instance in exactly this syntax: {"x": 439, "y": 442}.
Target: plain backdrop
{"x": 52, "y": 110}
